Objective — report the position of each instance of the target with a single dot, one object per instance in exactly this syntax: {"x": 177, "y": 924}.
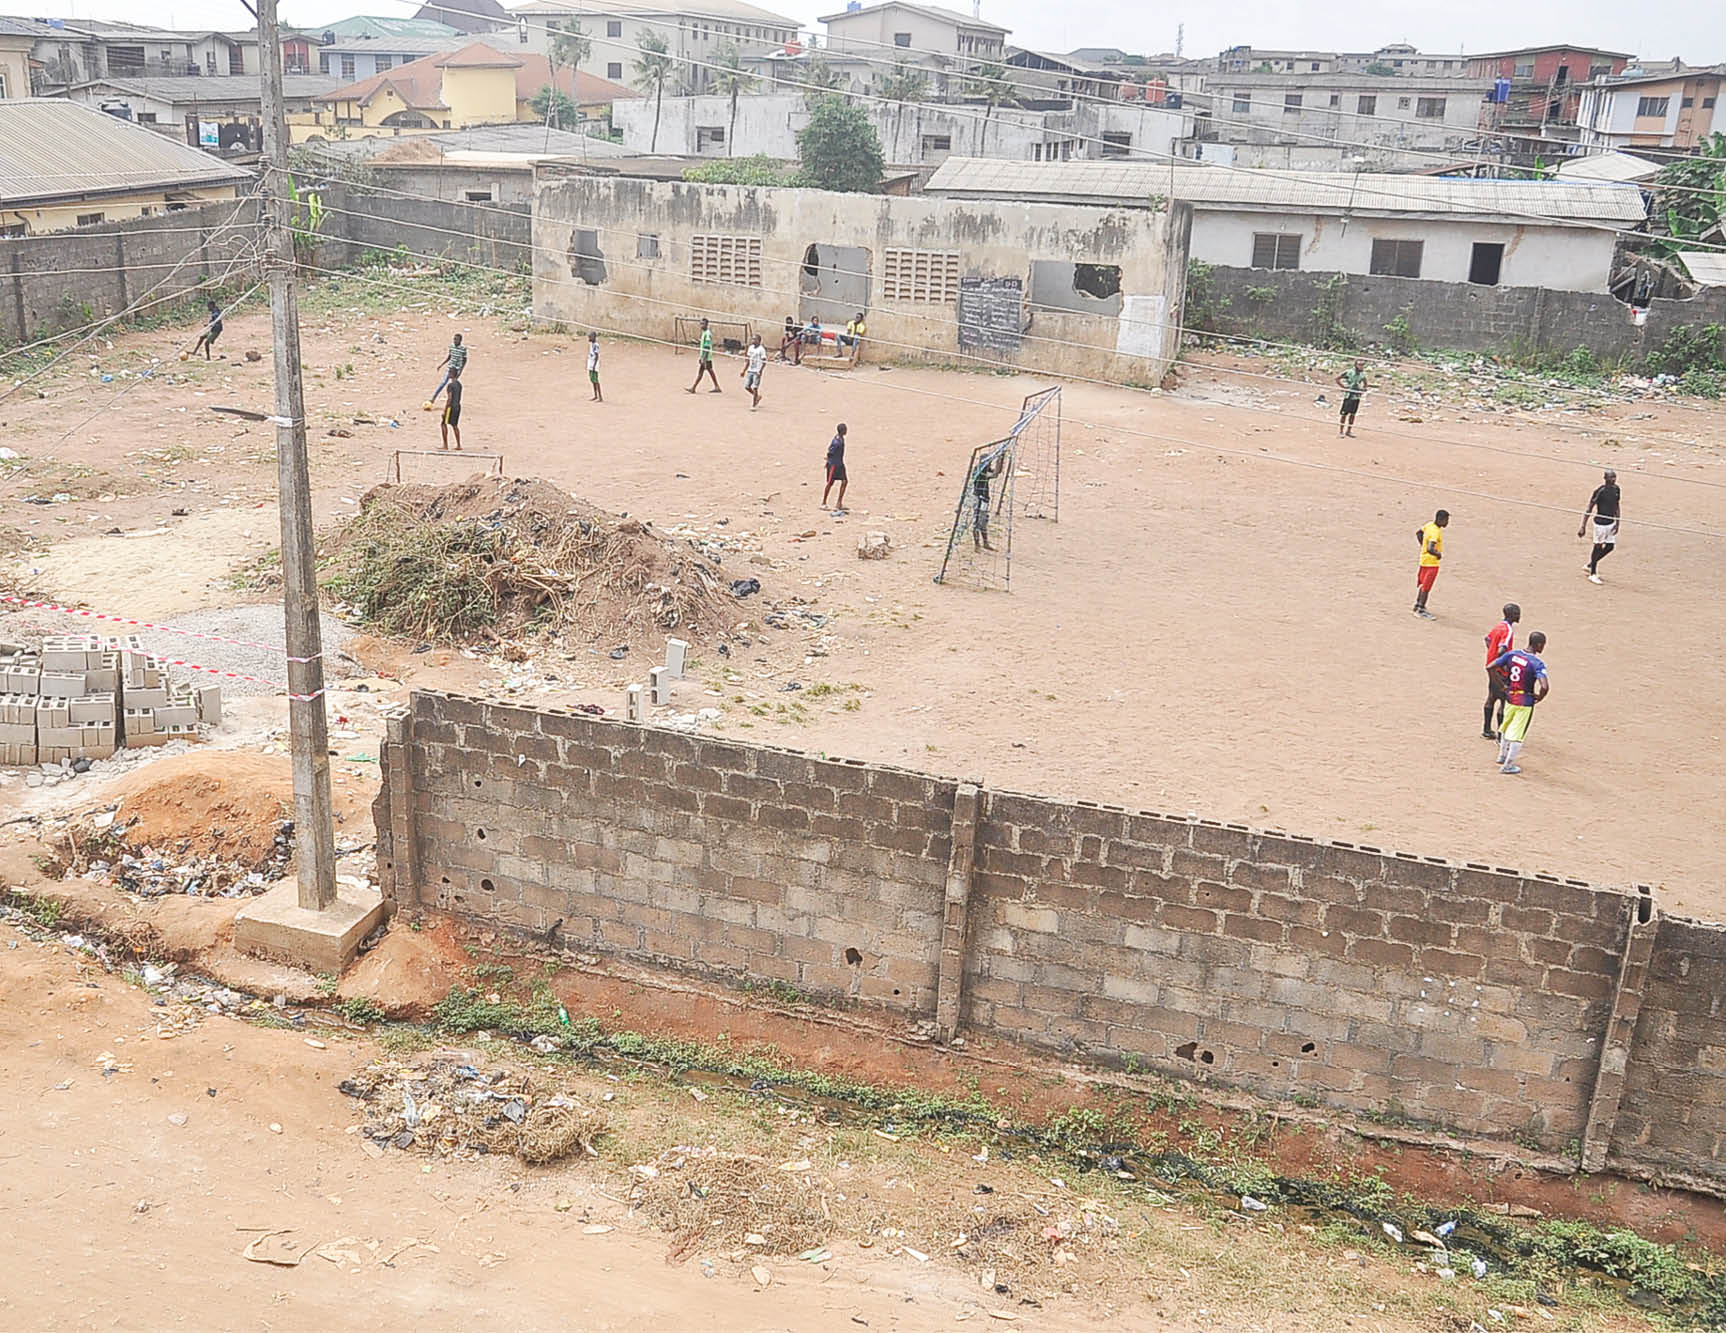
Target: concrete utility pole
{"x": 308, "y": 724}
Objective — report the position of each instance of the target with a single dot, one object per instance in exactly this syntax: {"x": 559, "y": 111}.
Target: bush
{"x": 757, "y": 170}
{"x": 1689, "y": 347}
{"x": 840, "y": 149}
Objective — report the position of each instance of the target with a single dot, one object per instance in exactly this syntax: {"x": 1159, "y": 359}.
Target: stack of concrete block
{"x": 84, "y": 696}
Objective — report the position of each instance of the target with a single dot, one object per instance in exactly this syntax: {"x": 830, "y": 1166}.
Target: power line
{"x": 1305, "y": 384}
{"x": 1568, "y": 510}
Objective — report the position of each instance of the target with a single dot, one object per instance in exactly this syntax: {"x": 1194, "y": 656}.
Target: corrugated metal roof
{"x": 183, "y": 90}
{"x": 51, "y": 148}
{"x": 1104, "y": 182}
{"x": 1608, "y": 167}
{"x": 1706, "y": 267}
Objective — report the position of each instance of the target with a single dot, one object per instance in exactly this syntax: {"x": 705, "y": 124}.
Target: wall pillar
{"x": 955, "y": 911}
{"x": 120, "y": 269}
{"x": 1620, "y": 1030}
{"x": 393, "y": 812}
{"x": 18, "y": 294}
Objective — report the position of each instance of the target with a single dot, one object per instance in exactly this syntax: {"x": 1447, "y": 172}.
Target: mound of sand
{"x": 490, "y": 557}
{"x": 228, "y": 808}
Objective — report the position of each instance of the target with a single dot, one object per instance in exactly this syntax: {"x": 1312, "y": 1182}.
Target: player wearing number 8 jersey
{"x": 1525, "y": 684}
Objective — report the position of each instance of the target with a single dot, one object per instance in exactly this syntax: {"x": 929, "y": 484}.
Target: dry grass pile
{"x": 708, "y": 1198}
{"x": 445, "y": 1105}
{"x": 490, "y": 558}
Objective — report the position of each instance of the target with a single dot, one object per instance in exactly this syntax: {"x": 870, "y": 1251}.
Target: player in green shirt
{"x": 1353, "y": 384}
{"x": 704, "y": 362}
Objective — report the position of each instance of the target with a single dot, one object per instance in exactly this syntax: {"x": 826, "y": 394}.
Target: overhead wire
{"x": 434, "y": 258}
{"x": 1263, "y": 455}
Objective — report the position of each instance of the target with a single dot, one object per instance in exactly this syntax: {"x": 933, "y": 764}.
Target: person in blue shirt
{"x": 1525, "y": 684}
{"x": 836, "y": 470}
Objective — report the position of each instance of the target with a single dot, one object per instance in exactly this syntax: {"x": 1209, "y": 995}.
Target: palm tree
{"x": 905, "y": 84}
{"x": 819, "y": 79}
{"x": 568, "y": 47}
{"x": 729, "y": 80}
{"x": 652, "y": 68}
{"x": 988, "y": 82}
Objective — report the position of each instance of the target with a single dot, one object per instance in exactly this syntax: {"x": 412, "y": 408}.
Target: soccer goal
{"x": 728, "y": 335}
{"x": 1016, "y": 477}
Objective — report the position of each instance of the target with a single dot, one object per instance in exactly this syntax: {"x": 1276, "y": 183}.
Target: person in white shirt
{"x": 593, "y": 366}
{"x": 752, "y": 369}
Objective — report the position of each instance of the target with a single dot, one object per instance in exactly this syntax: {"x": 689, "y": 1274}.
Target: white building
{"x": 866, "y": 46}
{"x": 696, "y": 33}
{"x": 911, "y": 134}
{"x": 1674, "y": 109}
{"x": 1496, "y": 233}
{"x": 354, "y": 58}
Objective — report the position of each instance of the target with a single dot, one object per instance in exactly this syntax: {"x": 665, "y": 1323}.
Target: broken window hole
{"x": 480, "y": 833}
{"x": 1308, "y": 1048}
{"x": 488, "y": 886}
{"x": 854, "y": 957}
{"x": 1099, "y": 280}
{"x": 1190, "y": 1051}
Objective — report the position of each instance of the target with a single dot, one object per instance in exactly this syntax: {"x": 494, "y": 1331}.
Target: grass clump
{"x": 424, "y": 581}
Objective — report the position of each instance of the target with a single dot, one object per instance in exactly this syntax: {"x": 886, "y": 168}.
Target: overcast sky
{"x": 1657, "y": 31}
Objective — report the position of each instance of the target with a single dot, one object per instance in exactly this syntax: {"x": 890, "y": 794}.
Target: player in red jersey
{"x": 1499, "y": 640}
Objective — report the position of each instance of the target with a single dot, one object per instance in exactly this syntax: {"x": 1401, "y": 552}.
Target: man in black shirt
{"x": 1603, "y": 508}
{"x": 452, "y": 410}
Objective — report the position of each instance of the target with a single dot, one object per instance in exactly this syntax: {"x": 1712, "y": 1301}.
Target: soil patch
{"x": 228, "y": 807}
{"x": 489, "y": 558}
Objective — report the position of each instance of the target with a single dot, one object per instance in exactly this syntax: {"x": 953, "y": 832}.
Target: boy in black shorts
{"x": 452, "y": 411}
{"x": 207, "y": 339}
{"x": 836, "y": 469}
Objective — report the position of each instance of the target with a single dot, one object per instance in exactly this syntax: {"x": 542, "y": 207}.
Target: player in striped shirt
{"x": 1525, "y": 684}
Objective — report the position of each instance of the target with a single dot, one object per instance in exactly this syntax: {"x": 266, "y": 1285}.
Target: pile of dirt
{"x": 491, "y": 558}
{"x": 445, "y": 1105}
{"x": 230, "y": 807}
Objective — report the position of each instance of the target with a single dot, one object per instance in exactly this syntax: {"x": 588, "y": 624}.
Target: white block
{"x": 634, "y": 710}
{"x": 659, "y": 683}
{"x": 676, "y": 657}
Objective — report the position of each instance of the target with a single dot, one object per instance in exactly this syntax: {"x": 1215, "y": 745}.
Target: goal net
{"x": 1017, "y": 477}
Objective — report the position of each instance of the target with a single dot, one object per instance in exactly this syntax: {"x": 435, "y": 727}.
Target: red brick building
{"x": 1545, "y": 84}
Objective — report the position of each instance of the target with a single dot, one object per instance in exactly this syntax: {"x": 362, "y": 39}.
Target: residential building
{"x": 368, "y": 25}
{"x": 696, "y": 34}
{"x": 866, "y": 46}
{"x": 18, "y": 38}
{"x": 1035, "y": 71}
{"x": 76, "y": 51}
{"x": 1081, "y": 291}
{"x": 1330, "y": 122}
{"x": 1676, "y": 110}
{"x": 1251, "y": 60}
{"x": 223, "y": 113}
{"x": 1538, "y": 92}
{"x": 1395, "y": 59}
{"x": 475, "y": 85}
{"x": 67, "y": 165}
{"x": 491, "y": 164}
{"x": 1537, "y": 234}
{"x": 300, "y": 52}
{"x": 355, "y": 58}
{"x": 912, "y": 134}
{"x": 468, "y": 16}
{"x": 1609, "y": 166}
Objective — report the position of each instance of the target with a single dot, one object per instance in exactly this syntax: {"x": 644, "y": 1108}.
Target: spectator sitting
{"x": 790, "y": 339}
{"x": 853, "y": 336}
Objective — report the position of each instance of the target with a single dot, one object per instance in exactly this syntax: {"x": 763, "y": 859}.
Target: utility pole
{"x": 308, "y": 724}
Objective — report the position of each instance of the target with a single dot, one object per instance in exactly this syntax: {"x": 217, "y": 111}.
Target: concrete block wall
{"x": 47, "y": 281}
{"x": 1673, "y": 1112}
{"x": 1492, "y": 1001}
{"x": 1280, "y": 305}
{"x": 357, "y": 220}
{"x": 694, "y": 853}
{"x": 1455, "y": 994}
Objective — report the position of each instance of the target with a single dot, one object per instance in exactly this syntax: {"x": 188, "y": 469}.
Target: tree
{"x": 988, "y": 83}
{"x": 819, "y": 79}
{"x": 1697, "y": 204}
{"x": 905, "y": 84}
{"x": 554, "y": 107}
{"x": 568, "y": 47}
{"x": 757, "y": 170}
{"x": 652, "y": 68}
{"x": 730, "y": 79}
{"x": 839, "y": 148}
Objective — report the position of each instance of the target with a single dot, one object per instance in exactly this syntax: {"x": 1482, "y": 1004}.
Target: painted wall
{"x": 1562, "y": 258}
{"x": 15, "y": 67}
{"x": 991, "y": 240}
{"x": 479, "y": 96}
{"x": 911, "y": 135}
{"x": 145, "y": 203}
{"x": 688, "y": 37}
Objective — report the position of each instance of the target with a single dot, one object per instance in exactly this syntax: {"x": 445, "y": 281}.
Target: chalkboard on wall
{"x": 991, "y": 314}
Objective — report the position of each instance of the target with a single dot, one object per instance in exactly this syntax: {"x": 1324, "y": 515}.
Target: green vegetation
{"x": 419, "y": 580}
{"x": 757, "y": 170}
{"x": 1696, "y": 354}
{"x": 839, "y": 149}
{"x": 1696, "y": 201}
{"x": 361, "y": 1010}
{"x": 1399, "y": 334}
{"x": 554, "y": 107}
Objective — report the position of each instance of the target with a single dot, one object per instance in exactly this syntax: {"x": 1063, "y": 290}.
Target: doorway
{"x": 833, "y": 283}
{"x": 1487, "y": 260}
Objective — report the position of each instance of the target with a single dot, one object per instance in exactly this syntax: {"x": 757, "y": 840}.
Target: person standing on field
{"x": 1525, "y": 684}
{"x": 456, "y": 361}
{"x": 1431, "y": 539}
{"x": 836, "y": 470}
{"x": 1603, "y": 509}
{"x": 593, "y": 366}
{"x": 1499, "y": 640}
{"x": 704, "y": 361}
{"x": 752, "y": 368}
{"x": 1353, "y": 384}
{"x": 451, "y": 420}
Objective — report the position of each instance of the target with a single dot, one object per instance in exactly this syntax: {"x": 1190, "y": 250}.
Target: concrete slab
{"x": 274, "y": 925}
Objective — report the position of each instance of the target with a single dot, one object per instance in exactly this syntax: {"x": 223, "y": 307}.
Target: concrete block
{"x": 146, "y": 696}
{"x": 274, "y": 925}
{"x": 659, "y": 685}
{"x": 207, "y": 699}
{"x": 63, "y": 684}
{"x": 93, "y": 708}
{"x": 676, "y": 657}
{"x": 139, "y": 721}
{"x": 70, "y": 653}
{"x": 634, "y": 706}
{"x": 17, "y": 733}
{"x": 176, "y": 715}
{"x": 19, "y": 753}
{"x": 53, "y": 712}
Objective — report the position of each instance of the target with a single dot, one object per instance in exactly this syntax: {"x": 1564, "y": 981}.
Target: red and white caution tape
{"x": 239, "y": 675}
{"x": 163, "y": 629}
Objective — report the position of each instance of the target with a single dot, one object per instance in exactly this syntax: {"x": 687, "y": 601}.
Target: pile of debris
{"x": 489, "y": 558}
{"x": 103, "y": 851}
{"x": 708, "y": 1198}
{"x": 445, "y": 1105}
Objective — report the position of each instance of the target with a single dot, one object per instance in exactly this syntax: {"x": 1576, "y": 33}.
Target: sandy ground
{"x": 1224, "y": 633}
{"x": 128, "y": 1199}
